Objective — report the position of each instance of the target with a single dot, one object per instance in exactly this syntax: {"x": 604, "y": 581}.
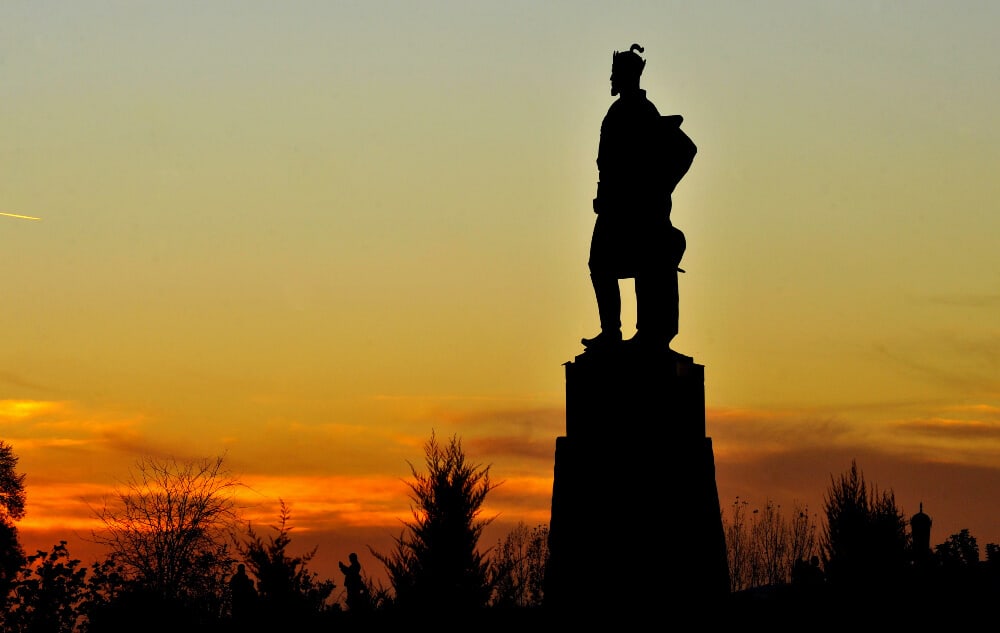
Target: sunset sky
{"x": 306, "y": 235}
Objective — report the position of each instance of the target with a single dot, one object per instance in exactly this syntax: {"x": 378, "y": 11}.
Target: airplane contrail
{"x": 23, "y": 217}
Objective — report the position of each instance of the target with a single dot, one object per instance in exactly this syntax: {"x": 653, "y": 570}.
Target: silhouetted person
{"x": 816, "y": 575}
{"x": 641, "y": 158}
{"x": 357, "y": 592}
{"x": 808, "y": 573}
{"x": 244, "y": 595}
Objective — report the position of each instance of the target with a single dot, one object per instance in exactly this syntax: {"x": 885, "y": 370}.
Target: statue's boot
{"x": 609, "y": 308}
{"x": 657, "y": 311}
{"x": 604, "y": 339}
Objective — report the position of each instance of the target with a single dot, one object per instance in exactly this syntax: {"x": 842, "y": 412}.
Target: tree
{"x": 865, "y": 543}
{"x": 993, "y": 554}
{"x": 765, "y": 548}
{"x": 959, "y": 573}
{"x": 167, "y": 529}
{"x": 12, "y": 497}
{"x": 288, "y": 591}
{"x": 517, "y": 567}
{"x": 12, "y": 500}
{"x": 960, "y": 550}
{"x": 106, "y": 593}
{"x": 739, "y": 549}
{"x": 803, "y": 544}
{"x": 769, "y": 532}
{"x": 49, "y": 594}
{"x": 435, "y": 565}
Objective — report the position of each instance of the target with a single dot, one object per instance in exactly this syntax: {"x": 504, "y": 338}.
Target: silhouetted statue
{"x": 357, "y": 592}
{"x": 641, "y": 158}
{"x": 243, "y": 594}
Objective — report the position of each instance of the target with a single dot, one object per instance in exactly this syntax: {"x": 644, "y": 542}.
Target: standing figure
{"x": 357, "y": 591}
{"x": 243, "y": 595}
{"x": 641, "y": 158}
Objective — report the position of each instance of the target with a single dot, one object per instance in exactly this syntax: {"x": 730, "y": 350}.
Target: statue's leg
{"x": 671, "y": 307}
{"x": 609, "y": 309}
{"x": 657, "y": 314}
{"x": 609, "y": 303}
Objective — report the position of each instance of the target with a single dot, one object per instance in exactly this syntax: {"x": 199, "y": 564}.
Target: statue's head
{"x": 626, "y": 68}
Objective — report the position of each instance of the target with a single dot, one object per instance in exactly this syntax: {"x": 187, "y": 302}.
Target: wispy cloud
{"x": 16, "y": 380}
{"x": 954, "y": 429}
{"x": 970, "y": 300}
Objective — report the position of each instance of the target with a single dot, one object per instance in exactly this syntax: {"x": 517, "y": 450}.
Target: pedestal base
{"x": 636, "y": 520}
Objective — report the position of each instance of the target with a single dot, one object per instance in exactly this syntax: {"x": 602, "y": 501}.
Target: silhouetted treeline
{"x": 179, "y": 559}
{"x": 870, "y": 558}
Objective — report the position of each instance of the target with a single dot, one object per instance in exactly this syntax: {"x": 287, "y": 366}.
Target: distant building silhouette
{"x": 920, "y": 532}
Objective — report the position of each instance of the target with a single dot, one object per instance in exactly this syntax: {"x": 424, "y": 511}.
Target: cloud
{"x": 962, "y": 361}
{"x": 966, "y": 300}
{"x": 56, "y": 437}
{"x": 322, "y": 502}
{"x": 533, "y": 449}
{"x": 953, "y": 429}
{"x": 17, "y": 381}
{"x": 527, "y": 420}
{"x": 20, "y": 410}
{"x": 748, "y": 434}
{"x": 503, "y": 434}
{"x": 65, "y": 505}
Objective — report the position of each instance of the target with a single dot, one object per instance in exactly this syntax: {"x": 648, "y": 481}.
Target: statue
{"x": 641, "y": 158}
{"x": 357, "y": 590}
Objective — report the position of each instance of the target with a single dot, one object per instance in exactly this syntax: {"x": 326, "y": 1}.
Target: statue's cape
{"x": 675, "y": 150}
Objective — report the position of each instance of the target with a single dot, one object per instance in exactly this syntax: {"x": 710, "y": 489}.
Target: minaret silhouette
{"x": 920, "y": 530}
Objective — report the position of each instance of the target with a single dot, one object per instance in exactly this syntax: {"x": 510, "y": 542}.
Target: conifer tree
{"x": 865, "y": 543}
{"x": 12, "y": 500}
{"x": 435, "y": 565}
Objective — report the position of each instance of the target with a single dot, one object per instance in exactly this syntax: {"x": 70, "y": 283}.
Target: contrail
{"x": 23, "y": 217}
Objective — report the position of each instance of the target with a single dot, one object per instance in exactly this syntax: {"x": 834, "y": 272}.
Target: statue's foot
{"x": 649, "y": 341}
{"x": 602, "y": 340}
{"x": 654, "y": 343}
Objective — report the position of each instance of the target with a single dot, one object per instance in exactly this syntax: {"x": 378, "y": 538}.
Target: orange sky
{"x": 305, "y": 236}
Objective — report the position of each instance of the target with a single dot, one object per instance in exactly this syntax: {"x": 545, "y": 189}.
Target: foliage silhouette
{"x": 288, "y": 592}
{"x": 53, "y": 593}
{"x": 517, "y": 567}
{"x": 865, "y": 542}
{"x": 167, "y": 531}
{"x": 12, "y": 501}
{"x": 764, "y": 549}
{"x": 12, "y": 496}
{"x": 107, "y": 590}
{"x": 435, "y": 565}
{"x": 960, "y": 550}
{"x": 49, "y": 596}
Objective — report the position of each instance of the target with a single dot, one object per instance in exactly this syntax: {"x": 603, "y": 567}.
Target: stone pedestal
{"x": 636, "y": 521}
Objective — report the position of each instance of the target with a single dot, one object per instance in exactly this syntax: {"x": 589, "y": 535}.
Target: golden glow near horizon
{"x": 306, "y": 238}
